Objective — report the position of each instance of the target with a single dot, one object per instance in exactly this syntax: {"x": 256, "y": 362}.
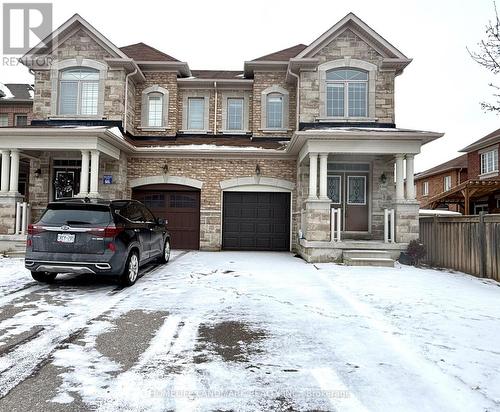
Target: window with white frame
{"x": 4, "y": 119}
{"x": 79, "y": 91}
{"x": 346, "y": 93}
{"x": 489, "y": 161}
{"x": 425, "y": 188}
{"x": 447, "y": 183}
{"x": 274, "y": 109}
{"x": 155, "y": 110}
{"x": 196, "y": 111}
{"x": 235, "y": 113}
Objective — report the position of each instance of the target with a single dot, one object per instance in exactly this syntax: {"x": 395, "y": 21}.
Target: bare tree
{"x": 488, "y": 55}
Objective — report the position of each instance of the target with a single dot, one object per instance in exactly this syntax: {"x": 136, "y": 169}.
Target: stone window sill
{"x": 275, "y": 130}
{"x": 242, "y": 132}
{"x": 153, "y": 129}
{"x": 488, "y": 175}
{"x": 187, "y": 131}
{"x": 75, "y": 116}
{"x": 346, "y": 119}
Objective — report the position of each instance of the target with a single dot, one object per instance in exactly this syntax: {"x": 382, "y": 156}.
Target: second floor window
{"x": 274, "y": 111}
{"x": 79, "y": 92}
{"x": 346, "y": 93}
{"x": 489, "y": 161}
{"x": 234, "y": 114}
{"x": 196, "y": 112}
{"x": 425, "y": 189}
{"x": 155, "y": 110}
{"x": 447, "y": 183}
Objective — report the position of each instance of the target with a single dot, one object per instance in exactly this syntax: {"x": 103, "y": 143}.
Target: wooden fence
{"x": 470, "y": 244}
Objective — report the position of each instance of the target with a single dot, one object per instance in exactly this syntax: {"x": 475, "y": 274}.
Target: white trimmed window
{"x": 4, "y": 119}
{"x": 196, "y": 111}
{"x": 155, "y": 110}
{"x": 489, "y": 161}
{"x": 346, "y": 93}
{"x": 447, "y": 183}
{"x": 235, "y": 110}
{"x": 79, "y": 92}
{"x": 425, "y": 189}
{"x": 274, "y": 111}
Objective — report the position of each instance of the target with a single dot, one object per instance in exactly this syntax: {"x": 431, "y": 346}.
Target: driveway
{"x": 250, "y": 332}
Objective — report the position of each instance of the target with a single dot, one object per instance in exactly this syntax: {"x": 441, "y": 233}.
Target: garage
{"x": 256, "y": 221}
{"x": 180, "y": 205}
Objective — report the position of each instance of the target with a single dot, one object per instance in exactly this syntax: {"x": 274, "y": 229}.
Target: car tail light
{"x": 34, "y": 229}
{"x": 108, "y": 231}
{"x": 29, "y": 242}
{"x": 112, "y": 247}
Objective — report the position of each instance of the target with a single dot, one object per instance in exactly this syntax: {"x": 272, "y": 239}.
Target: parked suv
{"x": 95, "y": 237}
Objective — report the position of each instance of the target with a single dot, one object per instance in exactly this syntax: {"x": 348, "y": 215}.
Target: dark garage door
{"x": 256, "y": 221}
{"x": 180, "y": 205}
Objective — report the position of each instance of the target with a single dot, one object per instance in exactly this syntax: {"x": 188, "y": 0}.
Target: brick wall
{"x": 436, "y": 185}
{"x": 13, "y": 108}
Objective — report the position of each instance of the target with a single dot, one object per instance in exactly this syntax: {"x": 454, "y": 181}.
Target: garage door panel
{"x": 256, "y": 221}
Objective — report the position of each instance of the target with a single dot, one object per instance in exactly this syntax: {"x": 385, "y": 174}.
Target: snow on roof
{"x": 208, "y": 148}
{"x": 437, "y": 212}
{"x": 6, "y": 92}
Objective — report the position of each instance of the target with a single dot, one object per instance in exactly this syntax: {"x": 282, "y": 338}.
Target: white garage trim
{"x": 257, "y": 184}
{"x": 166, "y": 179}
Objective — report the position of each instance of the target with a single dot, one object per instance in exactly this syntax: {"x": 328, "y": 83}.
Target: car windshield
{"x": 74, "y": 215}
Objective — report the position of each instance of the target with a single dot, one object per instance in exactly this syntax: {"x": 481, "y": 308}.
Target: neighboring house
{"x": 238, "y": 160}
{"x": 480, "y": 190}
{"x": 16, "y": 104}
{"x": 439, "y": 179}
{"x": 16, "y": 110}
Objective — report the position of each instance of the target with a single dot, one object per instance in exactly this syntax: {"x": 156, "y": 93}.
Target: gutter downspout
{"x": 126, "y": 100}
{"x": 297, "y": 103}
{"x": 215, "y": 111}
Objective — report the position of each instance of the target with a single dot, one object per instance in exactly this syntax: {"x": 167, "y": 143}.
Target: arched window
{"x": 79, "y": 91}
{"x": 346, "y": 93}
{"x": 155, "y": 110}
{"x": 274, "y": 109}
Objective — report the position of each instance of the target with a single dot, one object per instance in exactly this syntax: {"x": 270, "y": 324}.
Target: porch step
{"x": 368, "y": 258}
{"x": 15, "y": 253}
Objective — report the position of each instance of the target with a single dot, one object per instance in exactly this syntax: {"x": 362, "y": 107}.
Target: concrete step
{"x": 383, "y": 262}
{"x": 366, "y": 254}
{"x": 15, "y": 253}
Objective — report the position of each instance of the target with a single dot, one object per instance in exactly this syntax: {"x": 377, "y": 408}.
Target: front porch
{"x": 351, "y": 192}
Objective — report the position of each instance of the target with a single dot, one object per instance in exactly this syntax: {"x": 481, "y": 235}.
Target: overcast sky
{"x": 440, "y": 90}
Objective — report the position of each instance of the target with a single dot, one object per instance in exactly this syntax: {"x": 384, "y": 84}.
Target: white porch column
{"x": 4, "y": 185}
{"x": 400, "y": 184}
{"x": 323, "y": 173}
{"x": 410, "y": 182}
{"x": 94, "y": 173}
{"x": 84, "y": 175}
{"x": 313, "y": 176}
{"x": 14, "y": 171}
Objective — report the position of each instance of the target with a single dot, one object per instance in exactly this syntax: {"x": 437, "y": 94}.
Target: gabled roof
{"x": 359, "y": 27}
{"x": 67, "y": 28}
{"x": 16, "y": 92}
{"x": 459, "y": 162}
{"x": 282, "y": 55}
{"x": 492, "y": 138}
{"x": 143, "y": 52}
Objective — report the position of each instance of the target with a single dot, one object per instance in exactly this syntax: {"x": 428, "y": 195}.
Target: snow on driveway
{"x": 255, "y": 332}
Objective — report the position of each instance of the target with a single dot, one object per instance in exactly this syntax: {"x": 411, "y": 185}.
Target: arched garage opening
{"x": 180, "y": 205}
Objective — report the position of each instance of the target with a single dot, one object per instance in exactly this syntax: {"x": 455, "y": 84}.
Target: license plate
{"x": 66, "y": 237}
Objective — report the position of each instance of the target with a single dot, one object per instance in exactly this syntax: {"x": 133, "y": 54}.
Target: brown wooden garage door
{"x": 180, "y": 205}
{"x": 256, "y": 221}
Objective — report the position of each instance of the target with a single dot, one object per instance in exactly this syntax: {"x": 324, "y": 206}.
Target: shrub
{"x": 416, "y": 251}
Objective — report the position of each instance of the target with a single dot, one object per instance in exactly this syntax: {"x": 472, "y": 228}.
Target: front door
{"x": 348, "y": 188}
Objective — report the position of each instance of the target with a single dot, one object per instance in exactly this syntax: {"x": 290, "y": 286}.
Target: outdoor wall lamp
{"x": 257, "y": 170}
{"x": 165, "y": 168}
{"x": 38, "y": 173}
{"x": 383, "y": 178}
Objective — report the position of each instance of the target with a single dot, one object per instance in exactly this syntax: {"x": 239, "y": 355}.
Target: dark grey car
{"x": 86, "y": 236}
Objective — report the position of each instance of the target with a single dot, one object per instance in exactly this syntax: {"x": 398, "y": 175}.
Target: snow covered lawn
{"x": 251, "y": 332}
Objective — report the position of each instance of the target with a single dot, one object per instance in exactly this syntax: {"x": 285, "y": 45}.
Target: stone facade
{"x": 211, "y": 172}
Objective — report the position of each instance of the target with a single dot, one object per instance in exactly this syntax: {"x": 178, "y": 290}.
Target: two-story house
{"x": 295, "y": 152}
{"x": 479, "y": 191}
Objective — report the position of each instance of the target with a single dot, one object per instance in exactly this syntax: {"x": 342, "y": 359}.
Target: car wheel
{"x": 165, "y": 257}
{"x": 131, "y": 271}
{"x": 43, "y": 276}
